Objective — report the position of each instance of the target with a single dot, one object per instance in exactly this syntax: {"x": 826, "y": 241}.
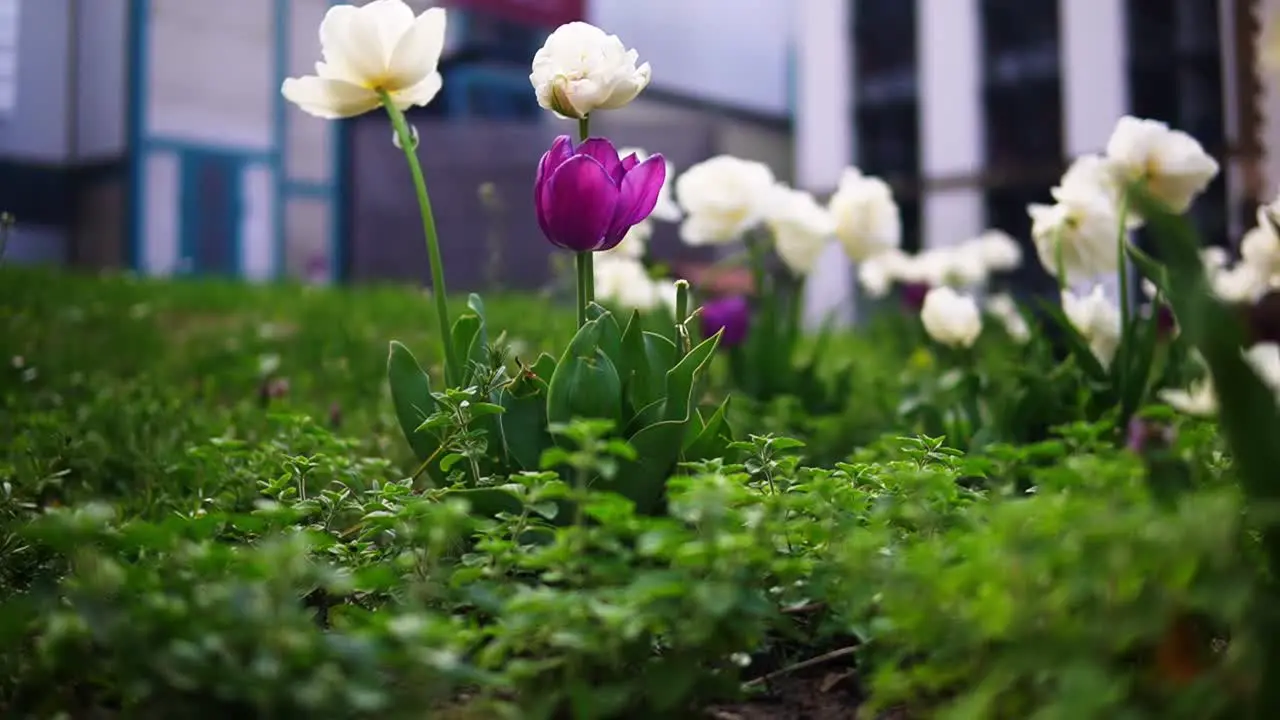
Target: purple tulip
{"x": 731, "y": 314}
{"x": 913, "y": 295}
{"x": 587, "y": 198}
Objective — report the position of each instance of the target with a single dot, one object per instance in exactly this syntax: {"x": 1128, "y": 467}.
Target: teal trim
{"x": 308, "y": 189}
{"x": 197, "y": 213}
{"x": 136, "y": 132}
{"x": 159, "y": 143}
{"x": 465, "y": 79}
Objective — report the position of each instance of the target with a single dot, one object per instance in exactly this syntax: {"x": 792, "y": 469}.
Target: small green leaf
{"x": 411, "y": 395}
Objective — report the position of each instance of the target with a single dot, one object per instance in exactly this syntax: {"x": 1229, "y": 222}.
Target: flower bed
{"x": 224, "y": 500}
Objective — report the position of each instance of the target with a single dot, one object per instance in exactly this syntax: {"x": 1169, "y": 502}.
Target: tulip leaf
{"x": 713, "y": 439}
{"x": 680, "y": 380}
{"x": 523, "y": 425}
{"x": 644, "y": 479}
{"x": 646, "y": 416}
{"x": 1249, "y": 417}
{"x": 660, "y": 356}
{"x": 411, "y": 395}
{"x": 610, "y": 334}
{"x": 585, "y": 387}
{"x": 1077, "y": 345}
{"x": 658, "y": 445}
{"x": 468, "y": 343}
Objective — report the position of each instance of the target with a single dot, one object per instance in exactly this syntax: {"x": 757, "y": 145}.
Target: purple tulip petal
{"x": 624, "y": 167}
{"x": 730, "y": 314}
{"x": 638, "y": 195}
{"x": 578, "y": 203}
{"x": 605, "y": 153}
{"x": 561, "y": 150}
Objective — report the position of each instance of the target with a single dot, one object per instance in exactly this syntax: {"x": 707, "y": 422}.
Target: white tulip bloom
{"x": 1214, "y": 257}
{"x": 1199, "y": 399}
{"x": 1264, "y": 358}
{"x": 1097, "y": 319}
{"x": 624, "y": 282}
{"x": 723, "y": 198}
{"x": 581, "y": 69}
{"x": 950, "y": 318}
{"x": 1243, "y": 283}
{"x": 1173, "y": 164}
{"x": 800, "y": 228}
{"x": 866, "y": 215}
{"x": 877, "y": 274}
{"x": 1003, "y": 308}
{"x": 1081, "y": 229}
{"x": 378, "y": 47}
{"x": 996, "y": 250}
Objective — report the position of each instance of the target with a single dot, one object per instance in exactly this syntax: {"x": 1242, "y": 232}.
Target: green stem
{"x": 1057, "y": 257}
{"x": 1122, "y": 258}
{"x": 409, "y": 146}
{"x": 585, "y": 262}
{"x": 586, "y": 276}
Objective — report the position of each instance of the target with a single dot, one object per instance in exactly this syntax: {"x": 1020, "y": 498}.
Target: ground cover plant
{"x": 289, "y": 502}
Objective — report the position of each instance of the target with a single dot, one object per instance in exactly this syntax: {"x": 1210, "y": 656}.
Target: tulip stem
{"x": 585, "y": 262}
{"x": 409, "y": 144}
{"x": 586, "y": 265}
{"x": 1122, "y": 258}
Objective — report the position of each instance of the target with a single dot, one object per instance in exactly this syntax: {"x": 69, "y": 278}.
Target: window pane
{"x": 884, "y": 36}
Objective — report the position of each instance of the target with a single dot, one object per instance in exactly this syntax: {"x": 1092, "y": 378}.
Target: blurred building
{"x": 151, "y": 134}
{"x": 972, "y": 108}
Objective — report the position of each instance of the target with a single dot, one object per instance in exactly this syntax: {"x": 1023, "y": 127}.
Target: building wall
{"x": 954, "y": 124}
{"x": 35, "y": 136}
{"x": 731, "y": 52}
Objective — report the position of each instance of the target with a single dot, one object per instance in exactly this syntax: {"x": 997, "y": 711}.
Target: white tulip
{"x": 1243, "y": 283}
{"x": 581, "y": 69}
{"x": 1173, "y": 164}
{"x": 800, "y": 228}
{"x": 1214, "y": 257}
{"x": 957, "y": 266}
{"x": 996, "y": 250}
{"x": 1081, "y": 230}
{"x": 374, "y": 48}
{"x": 950, "y": 318}
{"x": 877, "y": 274}
{"x": 1003, "y": 308}
{"x": 624, "y": 282}
{"x": 866, "y": 216}
{"x": 1199, "y": 399}
{"x": 1097, "y": 319}
{"x": 723, "y": 198}
{"x": 1264, "y": 358}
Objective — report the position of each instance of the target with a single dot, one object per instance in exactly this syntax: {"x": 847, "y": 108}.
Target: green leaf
{"x": 714, "y": 438}
{"x": 489, "y": 501}
{"x": 585, "y": 383}
{"x": 411, "y": 395}
{"x": 1248, "y": 415}
{"x": 466, "y": 340}
{"x": 610, "y": 333}
{"x": 680, "y": 380}
{"x": 644, "y": 480}
{"x": 650, "y": 379}
{"x": 1076, "y": 344}
{"x": 524, "y": 423}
